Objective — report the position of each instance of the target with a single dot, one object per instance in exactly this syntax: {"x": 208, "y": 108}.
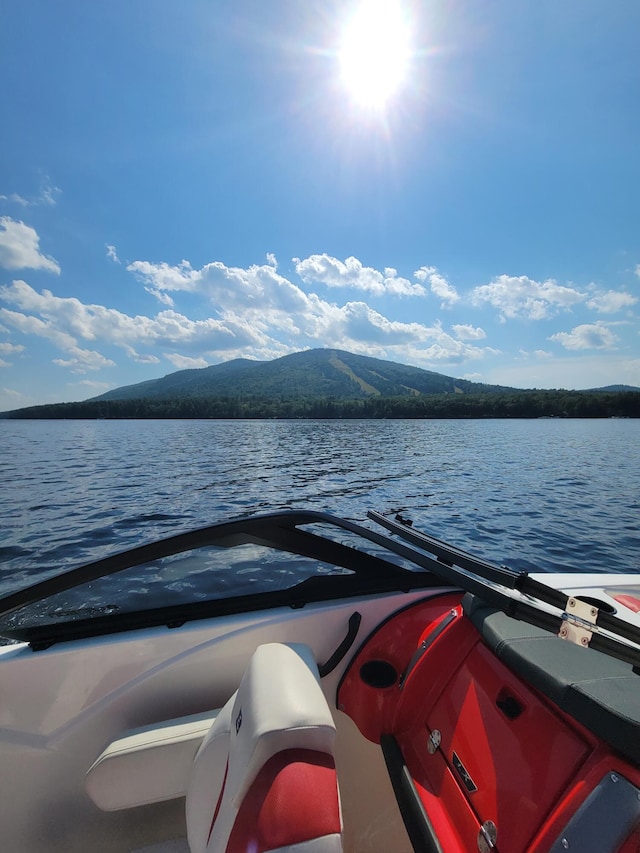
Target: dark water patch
{"x": 11, "y": 552}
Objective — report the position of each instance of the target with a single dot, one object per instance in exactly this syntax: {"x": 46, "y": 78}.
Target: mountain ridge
{"x": 309, "y": 373}
{"x": 332, "y": 383}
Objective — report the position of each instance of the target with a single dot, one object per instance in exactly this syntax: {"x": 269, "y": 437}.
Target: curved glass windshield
{"x": 285, "y": 559}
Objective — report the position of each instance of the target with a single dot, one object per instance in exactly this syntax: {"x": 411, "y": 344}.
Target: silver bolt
{"x": 614, "y": 777}
{"x": 565, "y": 843}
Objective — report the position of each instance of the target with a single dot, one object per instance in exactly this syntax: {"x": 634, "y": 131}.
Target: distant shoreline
{"x": 524, "y": 404}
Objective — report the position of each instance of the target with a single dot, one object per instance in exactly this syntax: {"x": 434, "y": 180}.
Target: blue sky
{"x": 185, "y": 183}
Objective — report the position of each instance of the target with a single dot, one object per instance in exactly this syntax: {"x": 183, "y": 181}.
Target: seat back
{"x": 264, "y": 778}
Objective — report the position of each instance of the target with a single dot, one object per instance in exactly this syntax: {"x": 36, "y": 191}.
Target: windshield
{"x": 259, "y": 562}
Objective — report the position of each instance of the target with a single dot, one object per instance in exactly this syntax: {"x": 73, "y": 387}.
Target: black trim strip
{"x": 312, "y": 590}
{"x": 419, "y": 828}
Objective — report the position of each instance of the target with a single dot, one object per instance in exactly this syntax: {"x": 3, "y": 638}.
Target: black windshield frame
{"x": 369, "y": 574}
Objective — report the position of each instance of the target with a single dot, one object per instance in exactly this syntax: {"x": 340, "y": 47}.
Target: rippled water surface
{"x": 558, "y": 495}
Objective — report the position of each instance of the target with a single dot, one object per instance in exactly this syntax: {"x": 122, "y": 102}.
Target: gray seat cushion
{"x": 600, "y": 692}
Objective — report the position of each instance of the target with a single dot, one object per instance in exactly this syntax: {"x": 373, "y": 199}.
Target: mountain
{"x": 199, "y": 382}
{"x": 331, "y": 383}
{"x": 615, "y": 389}
{"x": 312, "y": 373}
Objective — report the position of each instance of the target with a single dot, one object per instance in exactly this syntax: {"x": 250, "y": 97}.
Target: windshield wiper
{"x": 491, "y": 582}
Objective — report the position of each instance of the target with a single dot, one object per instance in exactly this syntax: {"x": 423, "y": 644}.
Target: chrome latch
{"x": 433, "y": 744}
{"x": 578, "y": 622}
{"x": 487, "y": 837}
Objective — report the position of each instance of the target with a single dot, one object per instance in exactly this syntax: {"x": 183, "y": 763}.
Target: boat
{"x": 294, "y": 681}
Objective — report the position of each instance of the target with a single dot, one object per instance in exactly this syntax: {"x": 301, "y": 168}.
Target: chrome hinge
{"x": 578, "y": 622}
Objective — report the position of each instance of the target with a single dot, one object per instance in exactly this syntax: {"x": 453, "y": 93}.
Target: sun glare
{"x": 374, "y": 53}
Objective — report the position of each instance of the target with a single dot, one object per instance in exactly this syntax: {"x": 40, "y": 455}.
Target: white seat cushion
{"x": 148, "y": 765}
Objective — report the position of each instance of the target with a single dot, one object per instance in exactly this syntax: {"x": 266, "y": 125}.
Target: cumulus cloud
{"x": 469, "y": 333}
{"x": 141, "y": 358}
{"x": 520, "y": 296}
{"x": 20, "y": 247}
{"x": 439, "y": 285}
{"x": 586, "y": 336}
{"x": 80, "y": 359}
{"x": 324, "y": 269}
{"x": 10, "y": 349}
{"x": 611, "y": 301}
{"x": 254, "y": 312}
{"x": 66, "y": 321}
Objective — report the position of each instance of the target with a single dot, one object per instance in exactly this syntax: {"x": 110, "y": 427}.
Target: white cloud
{"x": 586, "y": 336}
{"x": 611, "y": 301}
{"x": 520, "y": 296}
{"x": 94, "y": 385}
{"x": 47, "y": 196}
{"x": 20, "y": 247}
{"x": 324, "y": 269}
{"x": 254, "y": 312}
{"x": 439, "y": 285}
{"x": 111, "y": 253}
{"x": 10, "y": 349}
{"x": 141, "y": 359}
{"x": 15, "y": 198}
{"x": 469, "y": 333}
{"x": 64, "y": 321}
{"x": 183, "y": 362}
{"x": 82, "y": 360}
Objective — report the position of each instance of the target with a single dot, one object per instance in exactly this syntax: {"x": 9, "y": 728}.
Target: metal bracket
{"x": 578, "y": 622}
{"x": 487, "y": 837}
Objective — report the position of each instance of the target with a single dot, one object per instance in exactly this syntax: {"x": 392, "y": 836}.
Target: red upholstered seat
{"x": 264, "y": 778}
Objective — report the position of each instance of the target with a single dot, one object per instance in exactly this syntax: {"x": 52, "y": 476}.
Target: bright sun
{"x": 374, "y": 53}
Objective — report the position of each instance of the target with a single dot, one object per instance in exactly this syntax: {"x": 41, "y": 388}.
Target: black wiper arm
{"x": 478, "y": 576}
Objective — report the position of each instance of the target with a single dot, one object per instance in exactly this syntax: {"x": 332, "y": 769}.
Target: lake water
{"x": 557, "y": 495}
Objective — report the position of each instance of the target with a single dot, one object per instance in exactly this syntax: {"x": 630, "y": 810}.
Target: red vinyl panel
{"x": 519, "y": 766}
{"x": 630, "y": 601}
{"x": 374, "y": 709}
{"x": 528, "y": 765}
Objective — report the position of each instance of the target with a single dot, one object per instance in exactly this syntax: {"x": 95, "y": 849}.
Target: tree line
{"x": 522, "y": 404}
